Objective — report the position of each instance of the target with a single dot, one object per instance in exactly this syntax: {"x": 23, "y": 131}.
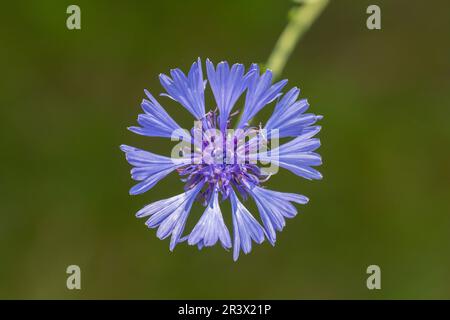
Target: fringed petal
{"x": 188, "y": 90}
{"x": 274, "y": 207}
{"x": 211, "y": 227}
{"x": 245, "y": 227}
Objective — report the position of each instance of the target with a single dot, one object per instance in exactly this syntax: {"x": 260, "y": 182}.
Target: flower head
{"x": 220, "y": 157}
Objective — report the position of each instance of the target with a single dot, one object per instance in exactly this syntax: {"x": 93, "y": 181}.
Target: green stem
{"x": 301, "y": 18}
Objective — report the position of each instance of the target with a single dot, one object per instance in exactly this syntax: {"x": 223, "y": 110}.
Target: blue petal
{"x": 227, "y": 86}
{"x": 245, "y": 227}
{"x": 297, "y": 155}
{"x": 170, "y": 215}
{"x": 273, "y": 207}
{"x": 260, "y": 93}
{"x": 188, "y": 91}
{"x": 149, "y": 167}
{"x": 288, "y": 116}
{"x": 211, "y": 227}
{"x": 156, "y": 122}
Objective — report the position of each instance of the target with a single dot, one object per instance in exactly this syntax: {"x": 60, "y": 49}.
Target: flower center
{"x": 221, "y": 162}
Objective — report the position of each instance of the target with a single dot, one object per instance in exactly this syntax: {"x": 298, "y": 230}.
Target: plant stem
{"x": 300, "y": 19}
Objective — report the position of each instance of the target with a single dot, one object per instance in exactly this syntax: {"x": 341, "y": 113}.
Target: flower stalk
{"x": 300, "y": 20}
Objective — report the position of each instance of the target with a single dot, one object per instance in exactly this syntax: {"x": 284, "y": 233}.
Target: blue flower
{"x": 220, "y": 155}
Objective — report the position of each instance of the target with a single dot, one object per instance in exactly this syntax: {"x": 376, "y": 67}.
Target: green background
{"x": 68, "y": 96}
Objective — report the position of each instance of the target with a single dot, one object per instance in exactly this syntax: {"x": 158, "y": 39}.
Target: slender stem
{"x": 301, "y": 18}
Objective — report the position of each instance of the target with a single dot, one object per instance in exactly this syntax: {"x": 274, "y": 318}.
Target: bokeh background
{"x": 68, "y": 96}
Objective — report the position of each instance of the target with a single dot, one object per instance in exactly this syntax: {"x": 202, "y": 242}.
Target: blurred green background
{"x": 68, "y": 96}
